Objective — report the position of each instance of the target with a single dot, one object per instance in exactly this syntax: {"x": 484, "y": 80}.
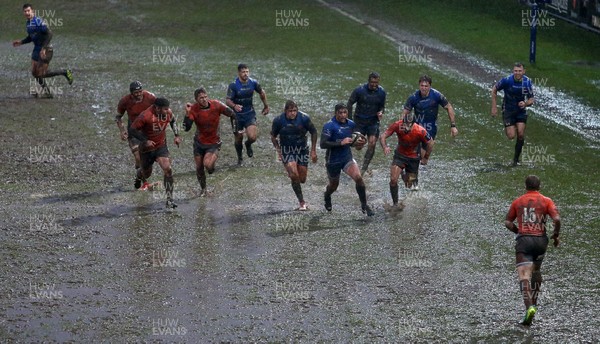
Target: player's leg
{"x": 251, "y": 132}
{"x": 291, "y": 168}
{"x": 145, "y": 170}
{"x": 210, "y": 160}
{"x": 394, "y": 176}
{"x": 333, "y": 176}
{"x": 200, "y": 175}
{"x": 238, "y": 134}
{"x": 164, "y": 162}
{"x": 135, "y": 150}
{"x": 524, "y": 247}
{"x": 520, "y": 132}
{"x": 371, "y": 144}
{"x": 67, "y": 73}
{"x": 353, "y": 171}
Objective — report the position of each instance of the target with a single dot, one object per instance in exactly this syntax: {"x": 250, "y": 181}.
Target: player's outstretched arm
{"x": 263, "y": 98}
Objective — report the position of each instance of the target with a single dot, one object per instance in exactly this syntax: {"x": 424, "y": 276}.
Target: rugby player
{"x": 426, "y": 102}
{"x": 206, "y": 114}
{"x": 150, "y": 128}
{"x": 239, "y": 98}
{"x": 518, "y": 95}
{"x": 288, "y": 134}
{"x": 39, "y": 33}
{"x": 407, "y": 155}
{"x": 370, "y": 104}
{"x": 531, "y": 212}
{"x": 134, "y": 103}
{"x": 336, "y": 137}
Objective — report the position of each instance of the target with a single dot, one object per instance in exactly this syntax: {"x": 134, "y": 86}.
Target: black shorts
{"x": 244, "y": 121}
{"x": 148, "y": 158}
{"x": 334, "y": 170}
{"x": 297, "y": 154}
{"x": 512, "y": 118}
{"x": 201, "y": 149}
{"x": 367, "y": 126}
{"x": 532, "y": 247}
{"x": 411, "y": 165}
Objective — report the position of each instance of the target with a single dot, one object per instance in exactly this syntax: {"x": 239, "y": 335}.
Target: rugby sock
{"x": 168, "y": 181}
{"x": 362, "y": 194}
{"x": 298, "y": 191}
{"x": 394, "y": 192}
{"x": 368, "y": 157}
{"x": 201, "y": 179}
{"x": 54, "y": 73}
{"x": 526, "y": 291}
{"x": 518, "y": 148}
{"x": 238, "y": 149}
{"x": 536, "y": 285}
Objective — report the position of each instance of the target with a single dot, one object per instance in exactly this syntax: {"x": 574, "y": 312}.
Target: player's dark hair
{"x": 199, "y": 90}
{"x": 161, "y": 102}
{"x": 242, "y": 66}
{"x": 409, "y": 118}
{"x": 27, "y": 5}
{"x": 374, "y": 75}
{"x": 519, "y": 64}
{"x": 425, "y": 78}
{"x": 340, "y": 106}
{"x": 290, "y": 104}
{"x": 532, "y": 182}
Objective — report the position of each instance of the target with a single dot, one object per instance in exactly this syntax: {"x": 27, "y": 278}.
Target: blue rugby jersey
{"x": 514, "y": 92}
{"x": 241, "y": 94}
{"x": 368, "y": 103}
{"x": 36, "y": 32}
{"x": 292, "y": 132}
{"x": 426, "y": 108}
{"x": 335, "y": 131}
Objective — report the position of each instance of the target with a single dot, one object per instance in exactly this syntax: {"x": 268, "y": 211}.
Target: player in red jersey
{"x": 206, "y": 114}
{"x": 150, "y": 128}
{"x": 134, "y": 103}
{"x": 407, "y": 155}
{"x": 531, "y": 212}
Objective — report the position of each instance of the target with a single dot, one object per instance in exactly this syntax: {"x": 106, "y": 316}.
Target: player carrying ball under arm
{"x": 407, "y": 154}
{"x": 531, "y": 212}
{"x": 150, "y": 128}
{"x": 291, "y": 128}
{"x": 206, "y": 114}
{"x": 336, "y": 137}
{"x": 134, "y": 103}
{"x": 39, "y": 33}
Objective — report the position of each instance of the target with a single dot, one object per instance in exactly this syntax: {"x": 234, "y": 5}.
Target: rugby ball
{"x": 358, "y": 139}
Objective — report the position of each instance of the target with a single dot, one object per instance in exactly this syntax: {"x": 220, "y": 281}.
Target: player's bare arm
{"x": 384, "y": 146}
{"x": 494, "y": 106}
{"x": 175, "y": 129}
{"x": 428, "y": 150}
{"x": 452, "y": 117}
{"x": 263, "y": 98}
{"x": 556, "y": 233}
{"x": 313, "y": 147}
{"x": 119, "y": 120}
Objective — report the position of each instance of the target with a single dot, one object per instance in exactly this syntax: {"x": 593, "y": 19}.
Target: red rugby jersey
{"x": 153, "y": 126}
{"x": 133, "y": 107}
{"x": 207, "y": 121}
{"x": 408, "y": 143}
{"x": 531, "y": 211}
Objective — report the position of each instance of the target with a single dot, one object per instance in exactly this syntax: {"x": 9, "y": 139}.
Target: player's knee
{"x": 294, "y": 177}
{"x": 360, "y": 182}
{"x": 168, "y": 171}
{"x": 394, "y": 183}
{"x": 210, "y": 170}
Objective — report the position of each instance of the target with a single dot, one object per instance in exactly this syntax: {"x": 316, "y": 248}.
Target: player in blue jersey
{"x": 39, "y": 33}
{"x": 370, "y": 104}
{"x": 337, "y": 139}
{"x": 291, "y": 128}
{"x": 239, "y": 98}
{"x": 518, "y": 95}
{"x": 426, "y": 102}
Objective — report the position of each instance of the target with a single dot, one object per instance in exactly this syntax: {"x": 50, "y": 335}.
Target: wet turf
{"x": 88, "y": 258}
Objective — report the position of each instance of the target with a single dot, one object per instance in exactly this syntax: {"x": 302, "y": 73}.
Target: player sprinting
{"x": 39, "y": 33}
{"x": 206, "y": 114}
{"x": 150, "y": 128}
{"x": 336, "y": 137}
{"x": 518, "y": 95}
{"x": 407, "y": 155}
{"x": 426, "y": 102}
{"x": 288, "y": 134}
{"x": 134, "y": 103}
{"x": 370, "y": 104}
{"x": 239, "y": 98}
{"x": 531, "y": 212}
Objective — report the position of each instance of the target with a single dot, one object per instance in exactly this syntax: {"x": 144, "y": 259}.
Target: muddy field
{"x": 86, "y": 258}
